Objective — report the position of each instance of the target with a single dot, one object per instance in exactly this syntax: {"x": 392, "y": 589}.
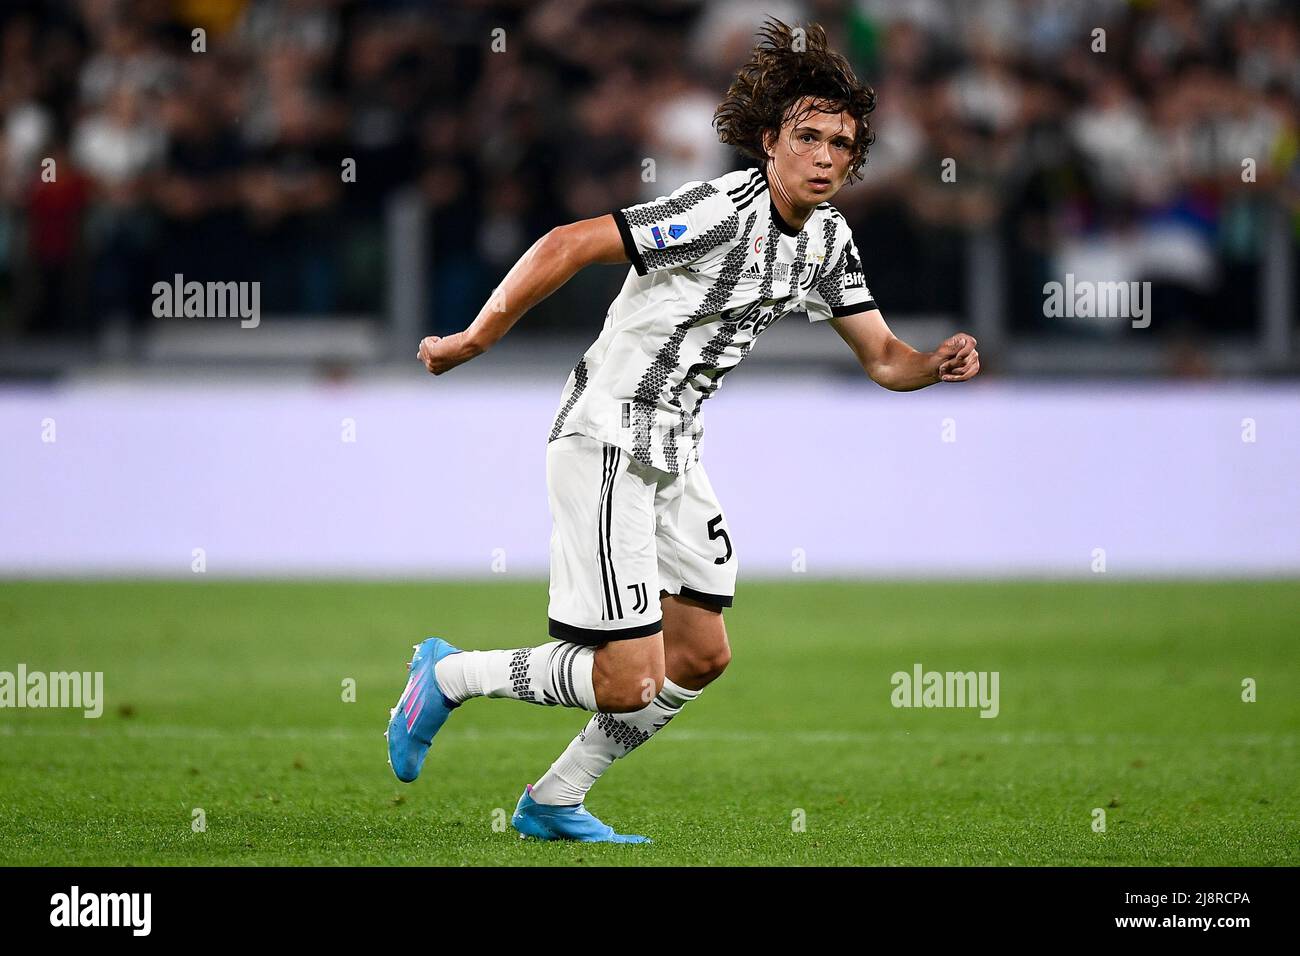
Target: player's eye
{"x": 806, "y": 137}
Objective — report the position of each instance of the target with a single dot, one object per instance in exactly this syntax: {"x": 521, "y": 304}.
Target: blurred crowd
{"x": 1111, "y": 140}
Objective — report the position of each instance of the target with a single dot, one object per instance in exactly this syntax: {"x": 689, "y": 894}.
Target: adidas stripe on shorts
{"x": 622, "y": 533}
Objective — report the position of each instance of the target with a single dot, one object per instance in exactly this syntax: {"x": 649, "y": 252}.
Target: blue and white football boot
{"x": 420, "y": 712}
{"x": 546, "y": 822}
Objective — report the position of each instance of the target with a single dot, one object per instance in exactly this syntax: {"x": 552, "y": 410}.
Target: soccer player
{"x": 642, "y": 558}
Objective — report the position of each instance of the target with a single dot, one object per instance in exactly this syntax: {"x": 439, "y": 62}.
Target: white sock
{"x": 555, "y": 673}
{"x": 606, "y": 738}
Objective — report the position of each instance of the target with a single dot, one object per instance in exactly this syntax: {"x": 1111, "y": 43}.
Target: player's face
{"x": 811, "y": 155}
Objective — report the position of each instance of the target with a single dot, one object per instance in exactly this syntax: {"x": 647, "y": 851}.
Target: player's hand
{"x": 958, "y": 360}
{"x": 440, "y": 353}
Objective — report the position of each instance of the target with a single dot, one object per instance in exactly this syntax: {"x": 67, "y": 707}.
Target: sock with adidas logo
{"x": 606, "y": 738}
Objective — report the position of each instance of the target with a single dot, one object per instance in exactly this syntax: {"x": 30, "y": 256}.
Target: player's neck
{"x": 790, "y": 218}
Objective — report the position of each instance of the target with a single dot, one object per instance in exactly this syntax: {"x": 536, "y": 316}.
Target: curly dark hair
{"x": 778, "y": 75}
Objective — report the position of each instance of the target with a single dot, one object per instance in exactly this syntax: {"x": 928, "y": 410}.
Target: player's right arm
{"x": 552, "y": 261}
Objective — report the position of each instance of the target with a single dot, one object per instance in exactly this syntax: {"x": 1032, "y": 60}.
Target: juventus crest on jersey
{"x": 713, "y": 265}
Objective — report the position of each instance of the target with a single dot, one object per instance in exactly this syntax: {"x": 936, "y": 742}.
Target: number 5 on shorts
{"x": 714, "y": 533}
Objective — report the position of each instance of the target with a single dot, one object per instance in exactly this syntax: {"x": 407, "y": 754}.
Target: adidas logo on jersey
{"x": 780, "y": 271}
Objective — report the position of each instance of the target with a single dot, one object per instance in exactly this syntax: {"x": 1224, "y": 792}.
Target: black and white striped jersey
{"x": 713, "y": 265}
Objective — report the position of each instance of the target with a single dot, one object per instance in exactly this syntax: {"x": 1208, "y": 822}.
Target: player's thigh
{"x": 604, "y": 570}
{"x": 697, "y": 558}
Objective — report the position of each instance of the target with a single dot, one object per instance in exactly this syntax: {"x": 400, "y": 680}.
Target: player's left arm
{"x": 895, "y": 365}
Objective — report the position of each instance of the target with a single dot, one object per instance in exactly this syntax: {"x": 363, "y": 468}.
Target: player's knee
{"x": 633, "y": 693}
{"x": 705, "y": 662}
{"x": 718, "y": 663}
{"x": 715, "y": 661}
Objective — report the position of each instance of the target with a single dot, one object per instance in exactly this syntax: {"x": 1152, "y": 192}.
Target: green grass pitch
{"x": 228, "y": 697}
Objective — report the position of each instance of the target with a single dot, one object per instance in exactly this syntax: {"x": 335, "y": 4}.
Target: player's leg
{"x": 603, "y": 578}
{"x": 608, "y": 644}
{"x": 624, "y": 672}
{"x": 696, "y": 650}
{"x": 609, "y": 595}
{"x": 697, "y": 569}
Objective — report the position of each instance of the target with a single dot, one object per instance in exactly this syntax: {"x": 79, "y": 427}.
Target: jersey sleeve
{"x": 678, "y": 229}
{"x": 842, "y": 290}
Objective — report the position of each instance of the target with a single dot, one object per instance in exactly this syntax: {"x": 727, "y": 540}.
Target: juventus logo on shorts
{"x": 638, "y": 592}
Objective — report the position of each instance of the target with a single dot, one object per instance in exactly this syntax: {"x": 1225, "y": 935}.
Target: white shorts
{"x": 623, "y": 534}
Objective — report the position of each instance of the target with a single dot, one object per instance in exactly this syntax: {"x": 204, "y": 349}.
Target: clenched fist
{"x": 440, "y": 354}
{"x": 958, "y": 360}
